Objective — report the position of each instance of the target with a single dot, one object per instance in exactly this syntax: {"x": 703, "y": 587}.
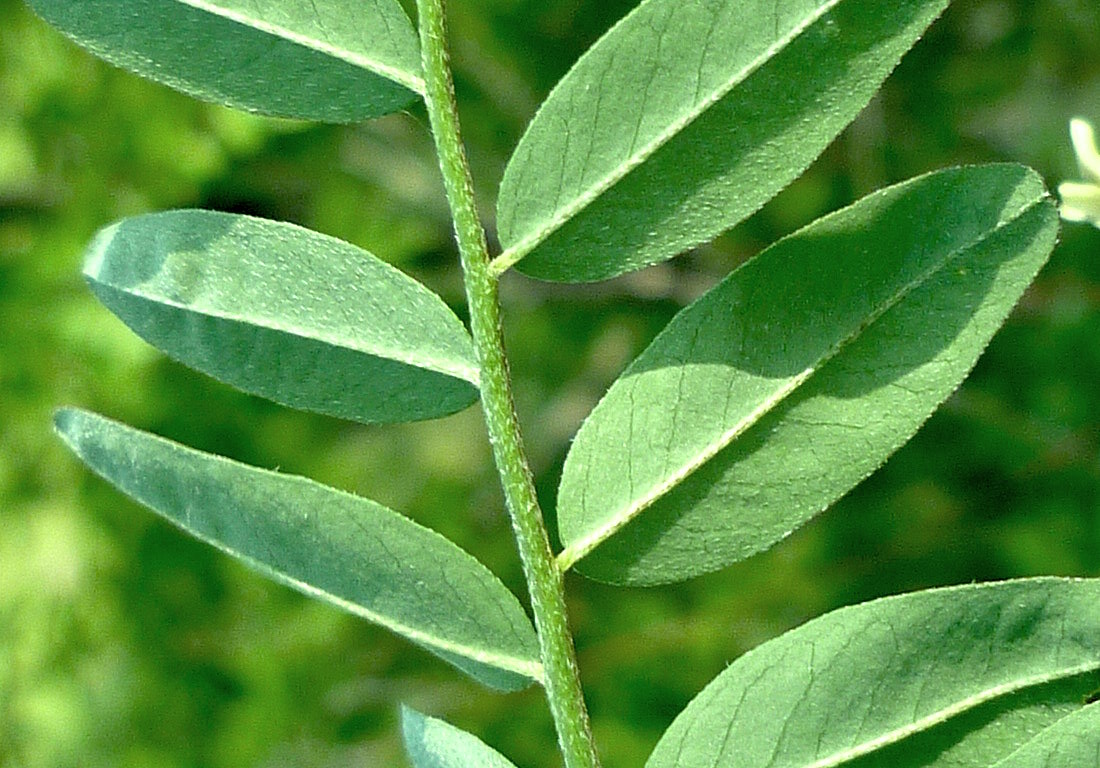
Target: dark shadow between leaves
{"x": 783, "y": 470}
{"x": 989, "y": 732}
{"x": 788, "y": 309}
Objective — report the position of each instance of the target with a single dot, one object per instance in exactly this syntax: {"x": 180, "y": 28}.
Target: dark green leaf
{"x": 686, "y": 118}
{"x": 331, "y": 60}
{"x": 793, "y": 379}
{"x": 345, "y": 550}
{"x": 432, "y": 743}
{"x": 939, "y": 679}
{"x": 276, "y": 310}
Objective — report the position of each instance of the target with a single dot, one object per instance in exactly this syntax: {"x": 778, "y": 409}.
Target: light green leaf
{"x": 279, "y": 311}
{"x": 432, "y": 743}
{"x": 686, "y": 118}
{"x": 331, "y": 60}
{"x": 1072, "y": 742}
{"x": 345, "y": 550}
{"x": 939, "y": 679}
{"x": 793, "y": 379}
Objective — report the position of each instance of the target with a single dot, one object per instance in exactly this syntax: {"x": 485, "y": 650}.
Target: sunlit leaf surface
{"x": 684, "y": 119}
{"x": 940, "y": 679}
{"x": 1072, "y": 742}
{"x": 793, "y": 379}
{"x": 342, "y": 549}
{"x": 295, "y": 316}
{"x": 329, "y": 60}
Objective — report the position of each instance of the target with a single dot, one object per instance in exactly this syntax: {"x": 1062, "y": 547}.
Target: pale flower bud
{"x": 1081, "y": 199}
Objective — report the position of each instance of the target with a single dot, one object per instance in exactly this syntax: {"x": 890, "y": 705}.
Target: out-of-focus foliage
{"x": 124, "y": 643}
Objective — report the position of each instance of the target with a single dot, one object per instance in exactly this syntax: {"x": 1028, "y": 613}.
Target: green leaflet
{"x": 1072, "y": 742}
{"x": 797, "y": 376}
{"x": 684, "y": 119}
{"x": 330, "y": 60}
{"x": 345, "y": 550}
{"x": 938, "y": 679}
{"x": 279, "y": 311}
{"x": 432, "y": 743}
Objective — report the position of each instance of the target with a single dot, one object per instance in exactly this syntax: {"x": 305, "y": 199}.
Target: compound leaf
{"x": 342, "y": 549}
{"x": 432, "y": 743}
{"x": 279, "y": 311}
{"x": 684, "y": 119}
{"x": 797, "y": 376}
{"x": 946, "y": 678}
{"x": 330, "y": 60}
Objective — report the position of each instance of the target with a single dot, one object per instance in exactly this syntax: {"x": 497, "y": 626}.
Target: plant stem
{"x": 544, "y": 579}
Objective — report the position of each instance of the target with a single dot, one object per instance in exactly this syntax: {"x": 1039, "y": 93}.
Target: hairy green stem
{"x": 544, "y": 579}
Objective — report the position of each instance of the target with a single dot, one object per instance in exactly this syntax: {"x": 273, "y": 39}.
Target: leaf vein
{"x": 410, "y": 80}
{"x": 584, "y": 545}
{"x": 526, "y": 244}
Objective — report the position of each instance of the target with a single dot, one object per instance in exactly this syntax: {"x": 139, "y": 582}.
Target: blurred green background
{"x": 123, "y": 643}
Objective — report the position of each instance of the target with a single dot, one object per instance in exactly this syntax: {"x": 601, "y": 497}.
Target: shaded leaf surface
{"x": 793, "y": 379}
{"x": 295, "y": 316}
{"x": 686, "y": 118}
{"x": 330, "y": 60}
{"x": 981, "y": 736}
{"x": 348, "y": 551}
{"x": 863, "y": 685}
{"x": 432, "y": 743}
{"x": 1072, "y": 742}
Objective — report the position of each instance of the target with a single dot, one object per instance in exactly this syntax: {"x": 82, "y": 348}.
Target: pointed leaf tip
{"x": 342, "y": 549}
